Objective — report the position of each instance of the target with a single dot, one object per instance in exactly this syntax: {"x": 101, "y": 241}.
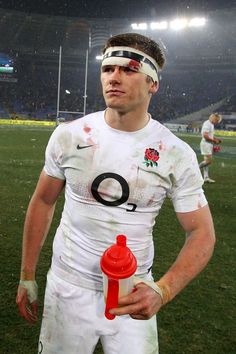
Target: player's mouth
{"x": 114, "y": 92}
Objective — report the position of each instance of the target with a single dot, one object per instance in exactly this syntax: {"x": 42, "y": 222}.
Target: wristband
{"x": 165, "y": 291}
{"x": 159, "y": 287}
{"x": 32, "y": 289}
{"x": 152, "y": 285}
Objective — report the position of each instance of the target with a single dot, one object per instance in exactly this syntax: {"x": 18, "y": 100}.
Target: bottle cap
{"x": 118, "y": 262}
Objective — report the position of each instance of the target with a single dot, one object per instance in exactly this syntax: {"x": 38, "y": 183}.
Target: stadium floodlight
{"x": 139, "y": 26}
{"x": 178, "y": 24}
{"x": 159, "y": 25}
{"x": 197, "y": 22}
{"x": 99, "y": 57}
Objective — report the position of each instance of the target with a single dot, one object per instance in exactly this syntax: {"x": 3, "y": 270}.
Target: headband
{"x": 135, "y": 59}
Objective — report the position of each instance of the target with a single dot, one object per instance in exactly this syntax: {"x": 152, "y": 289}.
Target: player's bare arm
{"x": 193, "y": 257}
{"x": 211, "y": 140}
{"x": 38, "y": 220}
{"x": 196, "y": 252}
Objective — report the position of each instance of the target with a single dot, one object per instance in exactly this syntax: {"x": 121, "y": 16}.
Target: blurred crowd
{"x": 35, "y": 94}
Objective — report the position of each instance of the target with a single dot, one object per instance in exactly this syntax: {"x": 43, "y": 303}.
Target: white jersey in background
{"x": 116, "y": 183}
{"x": 207, "y": 127}
{"x": 206, "y": 146}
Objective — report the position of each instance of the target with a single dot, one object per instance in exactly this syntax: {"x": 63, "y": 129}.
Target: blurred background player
{"x": 207, "y": 144}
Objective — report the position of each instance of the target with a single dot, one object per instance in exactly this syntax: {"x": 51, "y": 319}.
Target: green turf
{"x": 200, "y": 320}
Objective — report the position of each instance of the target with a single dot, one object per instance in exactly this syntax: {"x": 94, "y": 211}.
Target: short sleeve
{"x": 54, "y": 156}
{"x": 187, "y": 193}
{"x": 207, "y": 127}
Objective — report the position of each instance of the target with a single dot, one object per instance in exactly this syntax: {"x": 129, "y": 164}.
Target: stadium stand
{"x": 200, "y": 69}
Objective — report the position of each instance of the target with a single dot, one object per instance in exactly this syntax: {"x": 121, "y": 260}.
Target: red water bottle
{"x": 118, "y": 266}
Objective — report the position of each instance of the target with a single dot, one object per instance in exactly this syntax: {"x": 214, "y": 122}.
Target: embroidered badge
{"x": 151, "y": 157}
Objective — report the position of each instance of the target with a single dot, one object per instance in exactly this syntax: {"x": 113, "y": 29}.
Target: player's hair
{"x": 217, "y": 115}
{"x": 140, "y": 42}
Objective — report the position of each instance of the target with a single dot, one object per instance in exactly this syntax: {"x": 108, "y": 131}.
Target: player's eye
{"x": 127, "y": 69}
{"x": 107, "y": 69}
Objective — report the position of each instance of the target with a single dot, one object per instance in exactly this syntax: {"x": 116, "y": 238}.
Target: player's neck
{"x": 126, "y": 121}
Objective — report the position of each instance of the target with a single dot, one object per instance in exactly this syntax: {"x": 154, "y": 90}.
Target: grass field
{"x": 202, "y": 319}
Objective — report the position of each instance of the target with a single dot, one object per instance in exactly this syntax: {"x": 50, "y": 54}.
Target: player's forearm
{"x": 38, "y": 220}
{"x": 212, "y": 140}
{"x": 208, "y": 138}
{"x": 192, "y": 259}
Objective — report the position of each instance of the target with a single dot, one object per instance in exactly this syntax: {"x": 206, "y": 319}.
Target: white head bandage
{"x": 135, "y": 59}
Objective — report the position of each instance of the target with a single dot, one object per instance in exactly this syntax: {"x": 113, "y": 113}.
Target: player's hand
{"x": 218, "y": 141}
{"x": 27, "y": 300}
{"x": 141, "y": 304}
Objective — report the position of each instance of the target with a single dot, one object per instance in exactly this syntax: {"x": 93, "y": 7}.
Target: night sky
{"x": 115, "y": 9}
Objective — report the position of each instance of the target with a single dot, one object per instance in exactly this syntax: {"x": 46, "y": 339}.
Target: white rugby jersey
{"x": 116, "y": 183}
{"x": 207, "y": 127}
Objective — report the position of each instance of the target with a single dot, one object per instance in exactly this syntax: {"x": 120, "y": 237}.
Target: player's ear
{"x": 154, "y": 87}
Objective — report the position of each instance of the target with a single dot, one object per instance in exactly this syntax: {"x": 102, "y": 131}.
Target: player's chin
{"x": 114, "y": 101}
{"x": 116, "y": 106}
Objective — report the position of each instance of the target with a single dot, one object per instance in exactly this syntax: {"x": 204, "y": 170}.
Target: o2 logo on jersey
{"x": 124, "y": 186}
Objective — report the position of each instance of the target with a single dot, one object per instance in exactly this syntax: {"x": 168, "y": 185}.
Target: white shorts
{"x": 206, "y": 148}
{"x": 73, "y": 322}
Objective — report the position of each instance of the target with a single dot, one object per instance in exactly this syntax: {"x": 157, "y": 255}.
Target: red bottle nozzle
{"x": 121, "y": 240}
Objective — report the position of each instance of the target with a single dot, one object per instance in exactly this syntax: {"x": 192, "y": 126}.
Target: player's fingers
{"x": 135, "y": 311}
{"x": 21, "y": 301}
{"x": 130, "y": 304}
{"x": 124, "y": 310}
{"x": 23, "y": 307}
{"x": 135, "y": 296}
{"x": 127, "y": 300}
{"x": 139, "y": 317}
{"x": 34, "y": 307}
{"x": 30, "y": 316}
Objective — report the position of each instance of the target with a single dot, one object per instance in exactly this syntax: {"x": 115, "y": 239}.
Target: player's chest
{"x": 138, "y": 164}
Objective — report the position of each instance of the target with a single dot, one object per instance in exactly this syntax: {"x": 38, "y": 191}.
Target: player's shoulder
{"x": 160, "y": 130}
{"x": 165, "y": 133}
{"x": 173, "y": 142}
{"x": 89, "y": 119}
{"x": 207, "y": 123}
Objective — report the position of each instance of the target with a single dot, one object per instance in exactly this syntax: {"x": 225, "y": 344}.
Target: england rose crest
{"x": 151, "y": 157}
